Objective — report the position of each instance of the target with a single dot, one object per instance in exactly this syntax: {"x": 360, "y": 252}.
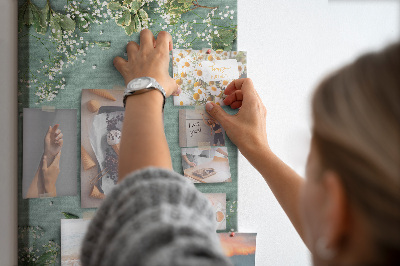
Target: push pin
{"x": 208, "y": 51}
{"x": 232, "y": 234}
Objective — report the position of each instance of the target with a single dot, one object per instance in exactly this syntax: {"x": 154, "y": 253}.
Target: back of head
{"x": 356, "y": 130}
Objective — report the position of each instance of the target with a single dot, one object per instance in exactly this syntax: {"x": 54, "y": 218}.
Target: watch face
{"x": 140, "y": 83}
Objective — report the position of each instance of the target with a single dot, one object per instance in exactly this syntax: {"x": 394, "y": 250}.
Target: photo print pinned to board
{"x": 49, "y": 153}
{"x": 198, "y": 129}
{"x": 239, "y": 247}
{"x": 218, "y": 201}
{"x": 102, "y": 114}
{"x": 72, "y": 234}
{"x": 204, "y": 74}
{"x": 206, "y": 165}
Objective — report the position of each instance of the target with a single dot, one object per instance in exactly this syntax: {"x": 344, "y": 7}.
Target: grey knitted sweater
{"x": 154, "y": 217}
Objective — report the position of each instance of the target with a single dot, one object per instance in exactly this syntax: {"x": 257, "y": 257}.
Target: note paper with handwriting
{"x": 204, "y": 74}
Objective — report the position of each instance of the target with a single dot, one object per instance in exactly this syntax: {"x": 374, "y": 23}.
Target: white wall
{"x": 291, "y": 45}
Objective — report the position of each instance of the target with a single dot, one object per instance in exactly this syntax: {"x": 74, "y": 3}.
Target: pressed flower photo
{"x": 203, "y": 75}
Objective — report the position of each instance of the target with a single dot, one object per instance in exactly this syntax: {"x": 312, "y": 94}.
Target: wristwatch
{"x": 142, "y": 85}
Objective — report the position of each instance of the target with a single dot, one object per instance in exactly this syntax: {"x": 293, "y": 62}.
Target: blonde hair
{"x": 356, "y": 130}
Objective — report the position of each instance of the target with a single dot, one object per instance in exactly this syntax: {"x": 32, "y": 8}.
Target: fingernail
{"x": 179, "y": 90}
{"x": 209, "y": 106}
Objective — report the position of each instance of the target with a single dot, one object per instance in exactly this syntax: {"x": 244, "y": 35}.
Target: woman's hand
{"x": 247, "y": 129}
{"x": 50, "y": 174}
{"x": 149, "y": 59}
{"x": 53, "y": 142}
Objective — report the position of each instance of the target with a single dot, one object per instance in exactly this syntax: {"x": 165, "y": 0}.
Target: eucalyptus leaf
{"x": 67, "y": 23}
{"x": 125, "y": 19}
{"x": 54, "y": 25}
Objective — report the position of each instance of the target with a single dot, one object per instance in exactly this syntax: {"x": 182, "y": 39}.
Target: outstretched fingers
{"x": 131, "y": 49}
{"x": 147, "y": 40}
{"x": 164, "y": 41}
{"x": 119, "y": 63}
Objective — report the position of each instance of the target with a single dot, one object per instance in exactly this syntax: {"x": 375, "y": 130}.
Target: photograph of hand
{"x": 44, "y": 182}
{"x": 44, "y": 153}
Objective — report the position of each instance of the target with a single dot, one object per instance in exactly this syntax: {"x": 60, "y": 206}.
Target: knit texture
{"x": 154, "y": 217}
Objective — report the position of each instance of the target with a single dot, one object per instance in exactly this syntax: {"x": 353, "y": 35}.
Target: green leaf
{"x": 89, "y": 17}
{"x": 138, "y": 26}
{"x": 144, "y": 17}
{"x": 129, "y": 30}
{"x": 82, "y": 24}
{"x": 125, "y": 19}
{"x": 67, "y": 23}
{"x": 28, "y": 15}
{"x": 114, "y": 6}
{"x": 103, "y": 45}
{"x": 135, "y": 5}
{"x": 44, "y": 17}
{"x": 21, "y": 16}
{"x": 70, "y": 215}
{"x": 224, "y": 39}
{"x": 176, "y": 8}
{"x": 54, "y": 25}
{"x": 36, "y": 18}
{"x": 43, "y": 258}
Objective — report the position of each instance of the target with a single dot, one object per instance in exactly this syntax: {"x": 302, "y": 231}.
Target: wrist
{"x": 50, "y": 157}
{"x": 49, "y": 188}
{"x": 256, "y": 152}
{"x": 147, "y": 100}
{"x": 143, "y": 85}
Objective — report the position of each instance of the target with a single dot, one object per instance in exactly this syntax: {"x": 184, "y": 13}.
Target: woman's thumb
{"x": 217, "y": 112}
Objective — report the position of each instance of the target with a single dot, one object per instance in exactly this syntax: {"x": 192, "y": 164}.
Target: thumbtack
{"x": 232, "y": 234}
{"x": 208, "y": 51}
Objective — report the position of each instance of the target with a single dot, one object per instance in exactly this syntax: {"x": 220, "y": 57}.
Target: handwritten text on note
{"x": 219, "y": 70}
